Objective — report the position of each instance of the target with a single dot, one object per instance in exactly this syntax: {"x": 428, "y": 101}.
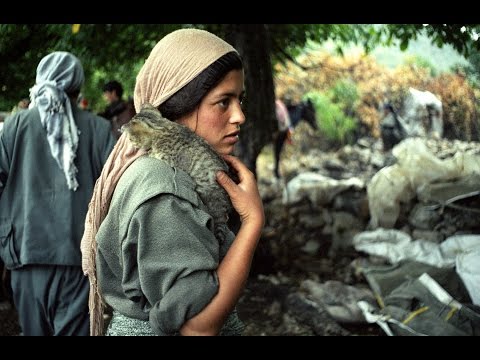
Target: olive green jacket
{"x": 157, "y": 253}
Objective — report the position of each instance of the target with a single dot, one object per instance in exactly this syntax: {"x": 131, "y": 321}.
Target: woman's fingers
{"x": 244, "y": 196}
{"x": 227, "y": 183}
{"x": 238, "y": 166}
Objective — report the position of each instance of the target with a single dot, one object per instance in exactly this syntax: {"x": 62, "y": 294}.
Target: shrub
{"x": 333, "y": 122}
{"x": 376, "y": 84}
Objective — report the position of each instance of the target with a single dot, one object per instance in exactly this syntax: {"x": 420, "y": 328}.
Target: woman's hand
{"x": 234, "y": 268}
{"x": 244, "y": 196}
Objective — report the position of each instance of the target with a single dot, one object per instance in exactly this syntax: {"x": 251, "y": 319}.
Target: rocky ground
{"x": 262, "y": 308}
{"x": 269, "y": 306}
{"x": 266, "y": 311}
{"x": 311, "y": 242}
{"x": 8, "y": 320}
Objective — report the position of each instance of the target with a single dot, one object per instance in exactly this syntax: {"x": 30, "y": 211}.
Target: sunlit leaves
{"x": 75, "y": 28}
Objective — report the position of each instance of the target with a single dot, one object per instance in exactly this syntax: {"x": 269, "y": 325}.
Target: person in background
{"x": 118, "y": 111}
{"x": 283, "y": 119}
{"x": 50, "y": 158}
{"x": 22, "y": 105}
{"x": 82, "y": 102}
{"x": 156, "y": 246}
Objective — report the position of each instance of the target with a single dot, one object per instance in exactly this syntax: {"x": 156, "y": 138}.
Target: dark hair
{"x": 114, "y": 86}
{"x": 187, "y": 98}
{"x": 73, "y": 94}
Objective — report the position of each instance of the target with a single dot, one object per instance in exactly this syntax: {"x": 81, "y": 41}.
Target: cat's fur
{"x": 182, "y": 148}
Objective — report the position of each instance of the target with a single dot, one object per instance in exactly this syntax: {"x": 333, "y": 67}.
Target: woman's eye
{"x": 224, "y": 103}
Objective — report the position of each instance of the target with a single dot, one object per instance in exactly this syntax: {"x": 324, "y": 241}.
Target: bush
{"x": 375, "y": 85}
{"x": 333, "y": 122}
{"x": 345, "y": 94}
{"x": 416, "y": 60}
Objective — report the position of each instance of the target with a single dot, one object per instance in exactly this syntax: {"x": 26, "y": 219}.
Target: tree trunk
{"x": 252, "y": 42}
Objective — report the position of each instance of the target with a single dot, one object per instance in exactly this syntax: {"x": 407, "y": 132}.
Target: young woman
{"x": 156, "y": 245}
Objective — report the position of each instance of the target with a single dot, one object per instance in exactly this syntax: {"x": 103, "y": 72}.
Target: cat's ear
{"x": 130, "y": 126}
{"x": 140, "y": 134}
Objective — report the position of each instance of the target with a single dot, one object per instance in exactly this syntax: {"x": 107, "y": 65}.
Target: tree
{"x": 262, "y": 45}
{"x": 117, "y": 51}
{"x": 252, "y": 41}
{"x": 107, "y": 51}
{"x": 463, "y": 37}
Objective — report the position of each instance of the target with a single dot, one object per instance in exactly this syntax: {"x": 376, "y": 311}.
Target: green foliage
{"x": 441, "y": 58}
{"x": 461, "y": 36}
{"x": 289, "y": 40}
{"x": 107, "y": 51}
{"x": 473, "y": 70}
{"x": 124, "y": 73}
{"x": 416, "y": 60}
{"x": 114, "y": 50}
{"x": 345, "y": 94}
{"x": 332, "y": 120}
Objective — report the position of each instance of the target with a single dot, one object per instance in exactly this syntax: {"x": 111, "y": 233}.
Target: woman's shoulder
{"x": 148, "y": 177}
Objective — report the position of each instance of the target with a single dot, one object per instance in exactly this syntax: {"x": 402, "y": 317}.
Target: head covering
{"x": 58, "y": 74}
{"x": 176, "y": 60}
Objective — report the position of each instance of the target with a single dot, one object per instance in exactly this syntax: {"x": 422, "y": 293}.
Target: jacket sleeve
{"x": 177, "y": 256}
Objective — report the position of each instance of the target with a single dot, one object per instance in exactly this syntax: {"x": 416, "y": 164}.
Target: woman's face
{"x": 219, "y": 115}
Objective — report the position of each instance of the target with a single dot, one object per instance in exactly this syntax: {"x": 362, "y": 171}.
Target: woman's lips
{"x": 232, "y": 138}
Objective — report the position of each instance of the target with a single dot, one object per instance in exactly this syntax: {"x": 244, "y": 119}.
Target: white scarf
{"x": 59, "y": 73}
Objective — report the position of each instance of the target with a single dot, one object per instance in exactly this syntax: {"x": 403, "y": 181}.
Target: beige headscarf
{"x": 176, "y": 60}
